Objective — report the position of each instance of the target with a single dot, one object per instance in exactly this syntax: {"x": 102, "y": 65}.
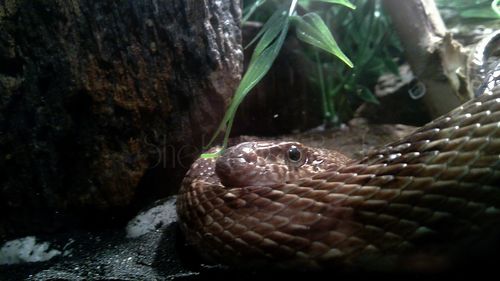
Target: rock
{"x": 103, "y": 105}
{"x": 109, "y": 255}
{"x": 152, "y": 219}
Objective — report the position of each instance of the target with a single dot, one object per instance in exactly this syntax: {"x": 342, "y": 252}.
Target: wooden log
{"x": 437, "y": 60}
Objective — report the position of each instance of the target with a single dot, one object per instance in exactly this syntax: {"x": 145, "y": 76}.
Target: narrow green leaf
{"x": 367, "y": 95}
{"x": 495, "y": 5}
{"x": 305, "y": 3}
{"x": 313, "y": 30}
{"x": 248, "y": 11}
{"x": 211, "y": 155}
{"x": 391, "y": 65}
{"x": 340, "y": 2}
{"x": 259, "y": 65}
{"x": 273, "y": 21}
{"x": 270, "y": 35}
{"x": 485, "y": 13}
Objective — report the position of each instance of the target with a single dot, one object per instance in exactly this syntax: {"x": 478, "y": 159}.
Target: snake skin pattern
{"x": 420, "y": 200}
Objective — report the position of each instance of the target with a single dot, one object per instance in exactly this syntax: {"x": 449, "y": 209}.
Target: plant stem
{"x": 326, "y": 111}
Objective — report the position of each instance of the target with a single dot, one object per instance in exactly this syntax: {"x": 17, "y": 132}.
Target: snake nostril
{"x": 250, "y": 157}
{"x": 223, "y": 169}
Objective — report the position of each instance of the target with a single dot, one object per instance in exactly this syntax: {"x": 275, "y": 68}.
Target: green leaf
{"x": 391, "y": 65}
{"x": 211, "y": 155}
{"x": 365, "y": 94}
{"x": 313, "y": 30}
{"x": 340, "y": 2}
{"x": 495, "y": 5}
{"x": 248, "y": 11}
{"x": 485, "y": 13}
{"x": 271, "y": 33}
{"x": 260, "y": 64}
{"x": 278, "y": 17}
{"x": 305, "y": 3}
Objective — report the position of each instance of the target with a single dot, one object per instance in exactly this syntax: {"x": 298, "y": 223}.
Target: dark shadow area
{"x": 163, "y": 255}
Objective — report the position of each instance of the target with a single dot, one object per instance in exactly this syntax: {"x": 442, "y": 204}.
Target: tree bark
{"x": 96, "y": 95}
{"x": 438, "y": 61}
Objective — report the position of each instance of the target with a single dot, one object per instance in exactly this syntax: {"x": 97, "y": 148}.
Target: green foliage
{"x": 311, "y": 29}
{"x": 470, "y": 9}
{"x": 250, "y": 9}
{"x": 272, "y": 37}
{"x": 366, "y": 35}
{"x": 374, "y": 49}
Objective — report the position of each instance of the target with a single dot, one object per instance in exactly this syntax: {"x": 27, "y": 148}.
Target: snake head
{"x": 264, "y": 163}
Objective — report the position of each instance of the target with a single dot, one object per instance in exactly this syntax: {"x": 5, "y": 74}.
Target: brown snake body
{"x": 419, "y": 200}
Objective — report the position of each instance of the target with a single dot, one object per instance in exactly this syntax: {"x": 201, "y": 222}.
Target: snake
{"x": 413, "y": 204}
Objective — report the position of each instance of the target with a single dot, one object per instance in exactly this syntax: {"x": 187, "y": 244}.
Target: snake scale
{"x": 420, "y": 200}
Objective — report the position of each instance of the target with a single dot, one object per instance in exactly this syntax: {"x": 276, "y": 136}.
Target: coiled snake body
{"x": 424, "y": 197}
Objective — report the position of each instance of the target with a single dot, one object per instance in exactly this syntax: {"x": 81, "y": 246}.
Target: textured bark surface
{"x": 437, "y": 60}
{"x": 94, "y": 95}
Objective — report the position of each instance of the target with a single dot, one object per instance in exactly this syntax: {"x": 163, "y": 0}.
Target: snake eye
{"x": 294, "y": 154}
